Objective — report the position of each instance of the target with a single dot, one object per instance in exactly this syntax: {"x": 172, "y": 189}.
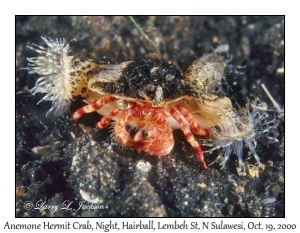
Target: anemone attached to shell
{"x": 243, "y": 129}
{"x": 51, "y": 65}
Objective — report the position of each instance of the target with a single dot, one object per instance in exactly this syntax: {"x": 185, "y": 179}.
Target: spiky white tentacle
{"x": 53, "y": 67}
{"x": 243, "y": 129}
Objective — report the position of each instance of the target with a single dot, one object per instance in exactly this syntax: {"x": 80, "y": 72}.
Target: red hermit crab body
{"x": 144, "y": 116}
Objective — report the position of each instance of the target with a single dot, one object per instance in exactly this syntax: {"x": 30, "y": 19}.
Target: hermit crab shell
{"x": 154, "y": 79}
{"x": 147, "y": 79}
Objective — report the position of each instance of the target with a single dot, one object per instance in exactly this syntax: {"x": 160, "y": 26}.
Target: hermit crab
{"x": 149, "y": 97}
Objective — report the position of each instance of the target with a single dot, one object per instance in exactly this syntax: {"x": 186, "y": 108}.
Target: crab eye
{"x": 122, "y": 104}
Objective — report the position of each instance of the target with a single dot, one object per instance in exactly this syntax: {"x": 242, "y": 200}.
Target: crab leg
{"x": 195, "y": 127}
{"x": 106, "y": 119}
{"x": 95, "y": 106}
{"x": 189, "y": 136}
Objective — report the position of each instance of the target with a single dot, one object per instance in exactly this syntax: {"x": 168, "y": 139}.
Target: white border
{"x": 175, "y": 7}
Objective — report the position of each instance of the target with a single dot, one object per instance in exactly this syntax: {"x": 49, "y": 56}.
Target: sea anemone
{"x": 245, "y": 128}
{"x": 52, "y": 65}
